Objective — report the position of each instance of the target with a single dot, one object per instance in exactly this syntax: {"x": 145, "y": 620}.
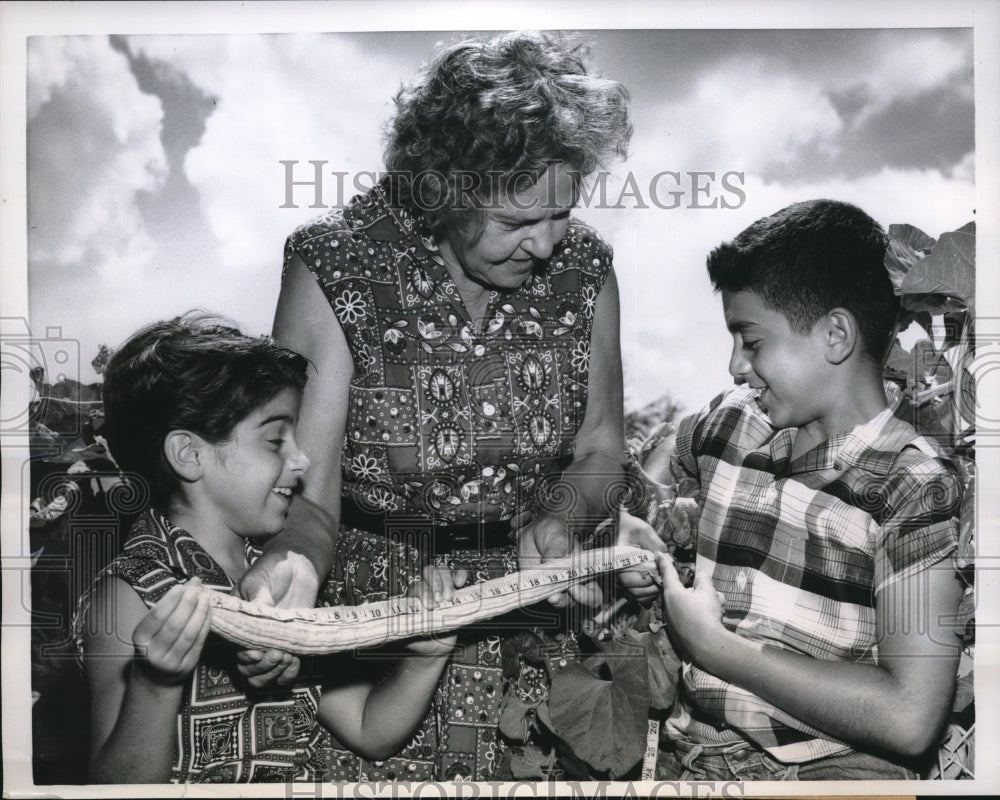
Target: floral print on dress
{"x": 436, "y": 396}
{"x": 453, "y": 419}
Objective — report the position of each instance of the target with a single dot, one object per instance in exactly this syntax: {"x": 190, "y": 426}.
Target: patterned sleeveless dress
{"x": 452, "y": 420}
{"x": 223, "y": 734}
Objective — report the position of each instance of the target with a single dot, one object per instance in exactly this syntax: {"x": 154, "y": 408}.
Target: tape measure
{"x": 338, "y": 628}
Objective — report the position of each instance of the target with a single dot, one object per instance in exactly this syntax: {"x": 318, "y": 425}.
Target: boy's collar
{"x": 872, "y": 446}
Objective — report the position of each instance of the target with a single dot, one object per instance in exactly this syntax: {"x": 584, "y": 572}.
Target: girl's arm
{"x": 377, "y": 720}
{"x": 898, "y": 705}
{"x": 137, "y": 660}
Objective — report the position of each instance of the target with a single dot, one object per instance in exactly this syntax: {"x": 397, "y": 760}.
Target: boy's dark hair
{"x": 195, "y": 372}
{"x": 812, "y": 257}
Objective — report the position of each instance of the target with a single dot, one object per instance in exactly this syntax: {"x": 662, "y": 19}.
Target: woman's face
{"x": 518, "y": 231}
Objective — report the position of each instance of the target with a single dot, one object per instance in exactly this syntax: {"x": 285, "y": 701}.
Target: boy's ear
{"x": 841, "y": 335}
{"x": 185, "y": 454}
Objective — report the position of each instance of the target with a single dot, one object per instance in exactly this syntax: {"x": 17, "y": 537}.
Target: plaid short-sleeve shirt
{"x": 800, "y": 547}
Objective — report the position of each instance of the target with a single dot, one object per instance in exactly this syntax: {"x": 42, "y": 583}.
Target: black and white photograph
{"x": 500, "y": 399}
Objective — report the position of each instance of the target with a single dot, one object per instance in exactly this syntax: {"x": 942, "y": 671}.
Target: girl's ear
{"x": 842, "y": 336}
{"x": 185, "y": 454}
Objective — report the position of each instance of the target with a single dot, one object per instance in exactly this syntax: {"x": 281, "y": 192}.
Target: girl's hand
{"x": 693, "y": 616}
{"x": 261, "y": 667}
{"x": 437, "y": 584}
{"x": 168, "y": 641}
{"x": 284, "y": 580}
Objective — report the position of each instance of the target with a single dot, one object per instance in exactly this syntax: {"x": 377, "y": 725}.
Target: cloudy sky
{"x": 155, "y": 181}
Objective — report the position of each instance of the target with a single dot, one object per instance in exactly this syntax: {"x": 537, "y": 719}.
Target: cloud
{"x": 280, "y": 98}
{"x": 747, "y": 114}
{"x": 907, "y": 68}
{"x": 93, "y": 146}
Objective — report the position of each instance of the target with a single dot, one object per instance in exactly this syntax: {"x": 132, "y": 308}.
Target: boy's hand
{"x": 548, "y": 537}
{"x": 437, "y": 584}
{"x": 168, "y": 641}
{"x": 640, "y": 581}
{"x": 693, "y": 616}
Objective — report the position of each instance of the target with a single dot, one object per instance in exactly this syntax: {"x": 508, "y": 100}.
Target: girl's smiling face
{"x": 788, "y": 367}
{"x": 249, "y": 480}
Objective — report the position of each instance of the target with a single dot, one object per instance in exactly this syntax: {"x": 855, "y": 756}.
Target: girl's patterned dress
{"x": 226, "y": 731}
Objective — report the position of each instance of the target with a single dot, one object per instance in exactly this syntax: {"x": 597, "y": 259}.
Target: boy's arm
{"x": 897, "y": 705}
{"x": 134, "y": 701}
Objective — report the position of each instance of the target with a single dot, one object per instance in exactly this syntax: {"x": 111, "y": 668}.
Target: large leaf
{"x": 907, "y": 246}
{"x": 950, "y": 270}
{"x": 603, "y": 721}
{"x": 957, "y": 325}
{"x": 514, "y": 718}
{"x": 965, "y": 692}
{"x": 663, "y": 665}
{"x": 932, "y": 303}
{"x": 912, "y": 237}
{"x": 529, "y": 763}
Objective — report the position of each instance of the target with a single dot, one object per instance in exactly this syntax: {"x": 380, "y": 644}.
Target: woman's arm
{"x": 598, "y": 458}
{"x": 305, "y": 323}
{"x": 898, "y": 705}
{"x": 136, "y": 660}
{"x": 599, "y": 454}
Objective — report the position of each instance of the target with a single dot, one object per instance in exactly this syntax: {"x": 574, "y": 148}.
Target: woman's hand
{"x": 693, "y": 616}
{"x": 546, "y": 538}
{"x": 168, "y": 641}
{"x": 284, "y": 580}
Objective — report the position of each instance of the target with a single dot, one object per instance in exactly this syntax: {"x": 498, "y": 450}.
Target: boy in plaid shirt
{"x": 815, "y": 642}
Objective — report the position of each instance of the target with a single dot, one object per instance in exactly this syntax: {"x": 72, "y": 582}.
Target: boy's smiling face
{"x": 249, "y": 480}
{"x": 789, "y": 368}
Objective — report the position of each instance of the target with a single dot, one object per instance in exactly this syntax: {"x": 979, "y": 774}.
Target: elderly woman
{"x": 464, "y": 331}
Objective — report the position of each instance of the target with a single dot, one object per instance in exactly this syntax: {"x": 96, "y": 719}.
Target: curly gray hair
{"x": 483, "y": 117}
